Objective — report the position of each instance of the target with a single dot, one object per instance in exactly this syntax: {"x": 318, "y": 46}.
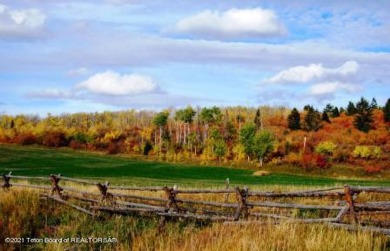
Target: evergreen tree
{"x": 328, "y": 108}
{"x": 325, "y": 117}
{"x": 312, "y": 120}
{"x": 374, "y": 104}
{"x": 257, "y": 120}
{"x": 386, "y": 111}
{"x": 351, "y": 109}
{"x": 335, "y": 112}
{"x": 363, "y": 118}
{"x": 294, "y": 120}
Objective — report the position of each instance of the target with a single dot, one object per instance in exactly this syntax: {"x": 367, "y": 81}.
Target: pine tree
{"x": 386, "y": 111}
{"x": 312, "y": 120}
{"x": 363, "y": 118}
{"x": 325, "y": 117}
{"x": 374, "y": 104}
{"x": 294, "y": 120}
{"x": 257, "y": 120}
{"x": 351, "y": 109}
{"x": 335, "y": 112}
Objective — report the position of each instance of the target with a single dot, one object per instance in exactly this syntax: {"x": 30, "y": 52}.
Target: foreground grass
{"x": 38, "y": 161}
{"x": 22, "y": 214}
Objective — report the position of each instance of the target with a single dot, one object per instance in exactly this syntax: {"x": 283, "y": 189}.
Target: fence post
{"x": 6, "y": 179}
{"x": 242, "y": 207}
{"x": 350, "y": 200}
{"x": 103, "y": 191}
{"x": 227, "y": 187}
{"x": 55, "y": 188}
{"x": 171, "y": 195}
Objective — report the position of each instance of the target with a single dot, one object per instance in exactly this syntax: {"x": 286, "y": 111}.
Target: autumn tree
{"x": 160, "y": 120}
{"x": 386, "y": 111}
{"x": 312, "y": 120}
{"x": 263, "y": 144}
{"x": 351, "y": 109}
{"x": 247, "y": 135}
{"x": 294, "y": 120}
{"x": 209, "y": 116}
{"x": 363, "y": 118}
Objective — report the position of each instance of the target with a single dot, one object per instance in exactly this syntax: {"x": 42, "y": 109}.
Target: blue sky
{"x": 72, "y": 56}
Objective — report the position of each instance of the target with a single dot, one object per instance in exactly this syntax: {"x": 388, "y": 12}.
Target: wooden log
{"x": 28, "y": 177}
{"x": 138, "y": 197}
{"x": 70, "y": 204}
{"x": 122, "y": 210}
{"x": 31, "y": 186}
{"x": 342, "y": 213}
{"x": 350, "y": 227}
{"x": 69, "y": 189}
{"x": 6, "y": 179}
{"x": 86, "y": 182}
{"x": 205, "y": 191}
{"x": 290, "y": 219}
{"x": 139, "y": 205}
{"x": 55, "y": 188}
{"x": 297, "y": 206}
{"x": 103, "y": 189}
{"x": 359, "y": 189}
{"x": 373, "y": 206}
{"x": 297, "y": 194}
{"x": 172, "y": 203}
{"x": 350, "y": 200}
{"x": 208, "y": 203}
{"x": 196, "y": 216}
{"x": 153, "y": 189}
{"x": 242, "y": 207}
{"x": 83, "y": 199}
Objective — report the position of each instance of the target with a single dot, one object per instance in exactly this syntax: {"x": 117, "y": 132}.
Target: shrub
{"x": 55, "y": 139}
{"x": 367, "y": 152}
{"x": 25, "y": 139}
{"x": 326, "y": 147}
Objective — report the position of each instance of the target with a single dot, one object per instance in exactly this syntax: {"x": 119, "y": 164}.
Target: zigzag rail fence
{"x": 246, "y": 207}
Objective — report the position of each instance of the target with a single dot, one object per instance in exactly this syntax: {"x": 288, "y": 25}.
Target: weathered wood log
{"x": 6, "y": 179}
{"x": 31, "y": 186}
{"x": 291, "y": 219}
{"x": 172, "y": 203}
{"x": 208, "y": 203}
{"x": 69, "y": 189}
{"x": 297, "y": 194}
{"x": 350, "y": 200}
{"x": 152, "y": 189}
{"x": 70, "y": 204}
{"x": 83, "y": 198}
{"x": 55, "y": 188}
{"x": 122, "y": 210}
{"x": 342, "y": 213}
{"x": 196, "y": 216}
{"x": 373, "y": 206}
{"x": 384, "y": 231}
{"x": 28, "y": 177}
{"x": 359, "y": 189}
{"x": 139, "y": 197}
{"x": 205, "y": 191}
{"x": 103, "y": 189}
{"x": 242, "y": 207}
{"x": 87, "y": 182}
{"x": 139, "y": 205}
{"x": 297, "y": 206}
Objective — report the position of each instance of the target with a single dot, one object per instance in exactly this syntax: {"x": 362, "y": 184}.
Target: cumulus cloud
{"x": 328, "y": 88}
{"x": 113, "y": 84}
{"x": 233, "y": 23}
{"x": 304, "y": 74}
{"x": 20, "y": 23}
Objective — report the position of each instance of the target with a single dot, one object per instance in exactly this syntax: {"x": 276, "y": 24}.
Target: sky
{"x": 69, "y": 56}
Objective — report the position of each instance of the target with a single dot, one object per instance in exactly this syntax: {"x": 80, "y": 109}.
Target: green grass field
{"x": 39, "y": 161}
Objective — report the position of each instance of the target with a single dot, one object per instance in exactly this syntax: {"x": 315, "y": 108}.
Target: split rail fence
{"x": 350, "y": 207}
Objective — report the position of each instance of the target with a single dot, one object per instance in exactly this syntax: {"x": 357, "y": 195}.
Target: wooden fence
{"x": 348, "y": 206}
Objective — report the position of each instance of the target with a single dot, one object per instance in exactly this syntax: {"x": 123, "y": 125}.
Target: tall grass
{"x": 23, "y": 214}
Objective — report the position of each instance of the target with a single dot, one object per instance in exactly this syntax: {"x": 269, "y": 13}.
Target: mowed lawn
{"x": 39, "y": 161}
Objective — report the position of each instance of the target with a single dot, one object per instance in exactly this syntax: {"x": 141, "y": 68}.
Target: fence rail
{"x": 338, "y": 206}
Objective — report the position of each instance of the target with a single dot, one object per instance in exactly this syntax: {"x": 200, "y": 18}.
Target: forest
{"x": 357, "y": 135}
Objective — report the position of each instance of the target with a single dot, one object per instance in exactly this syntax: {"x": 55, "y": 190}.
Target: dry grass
{"x": 23, "y": 215}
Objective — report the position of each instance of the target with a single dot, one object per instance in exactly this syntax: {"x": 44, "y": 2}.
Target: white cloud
{"x": 20, "y": 23}
{"x": 113, "y": 84}
{"x": 329, "y": 88}
{"x": 51, "y": 93}
{"x": 255, "y": 22}
{"x": 304, "y": 74}
{"x": 78, "y": 72}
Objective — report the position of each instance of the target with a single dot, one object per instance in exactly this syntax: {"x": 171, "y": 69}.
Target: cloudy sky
{"x": 69, "y": 56}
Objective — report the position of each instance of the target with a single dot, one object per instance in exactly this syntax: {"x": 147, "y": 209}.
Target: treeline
{"x": 356, "y": 135}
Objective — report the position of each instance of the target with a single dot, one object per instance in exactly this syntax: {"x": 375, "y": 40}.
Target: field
{"x": 47, "y": 219}
{"x": 40, "y": 161}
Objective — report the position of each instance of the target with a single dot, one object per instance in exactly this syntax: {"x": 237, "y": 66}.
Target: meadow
{"x": 41, "y": 161}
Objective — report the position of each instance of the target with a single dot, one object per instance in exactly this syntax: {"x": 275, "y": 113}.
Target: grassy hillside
{"x": 38, "y": 161}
